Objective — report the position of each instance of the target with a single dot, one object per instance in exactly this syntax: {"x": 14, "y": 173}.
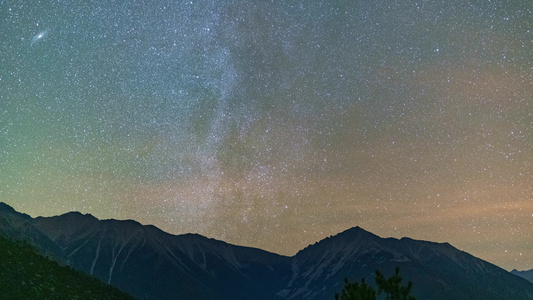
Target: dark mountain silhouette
{"x": 139, "y": 258}
{"x": 26, "y": 274}
{"x": 151, "y": 264}
{"x": 438, "y": 270}
{"x": 528, "y": 275}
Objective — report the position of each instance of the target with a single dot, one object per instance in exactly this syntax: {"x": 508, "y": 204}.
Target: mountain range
{"x": 148, "y": 263}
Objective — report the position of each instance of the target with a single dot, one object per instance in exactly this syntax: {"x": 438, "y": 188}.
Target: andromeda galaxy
{"x": 39, "y": 36}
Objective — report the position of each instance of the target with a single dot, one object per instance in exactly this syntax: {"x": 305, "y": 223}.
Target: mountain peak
{"x": 350, "y": 238}
{"x": 77, "y": 214}
{"x": 357, "y": 229}
{"x": 7, "y": 209}
{"x": 356, "y": 232}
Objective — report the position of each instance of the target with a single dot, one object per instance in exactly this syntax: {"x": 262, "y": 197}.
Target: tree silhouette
{"x": 355, "y": 291}
{"x": 391, "y": 286}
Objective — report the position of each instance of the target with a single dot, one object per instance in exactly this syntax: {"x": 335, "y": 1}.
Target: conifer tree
{"x": 354, "y": 291}
{"x": 392, "y": 287}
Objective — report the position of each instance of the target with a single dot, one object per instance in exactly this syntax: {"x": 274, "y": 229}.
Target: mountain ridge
{"x": 149, "y": 263}
{"x": 526, "y": 274}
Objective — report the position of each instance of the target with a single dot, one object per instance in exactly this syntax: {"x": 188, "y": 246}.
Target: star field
{"x": 274, "y": 124}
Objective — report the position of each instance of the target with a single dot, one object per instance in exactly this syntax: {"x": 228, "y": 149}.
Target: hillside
{"x": 26, "y": 274}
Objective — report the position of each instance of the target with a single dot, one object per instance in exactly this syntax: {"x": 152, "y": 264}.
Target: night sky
{"x": 275, "y": 124}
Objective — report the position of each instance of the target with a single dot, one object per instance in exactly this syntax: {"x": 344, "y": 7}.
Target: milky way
{"x": 275, "y": 124}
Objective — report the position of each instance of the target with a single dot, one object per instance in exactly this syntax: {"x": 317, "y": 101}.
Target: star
{"x": 275, "y": 124}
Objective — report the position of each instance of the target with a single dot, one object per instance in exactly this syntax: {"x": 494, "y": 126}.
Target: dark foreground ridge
{"x": 26, "y": 274}
{"x": 151, "y": 264}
